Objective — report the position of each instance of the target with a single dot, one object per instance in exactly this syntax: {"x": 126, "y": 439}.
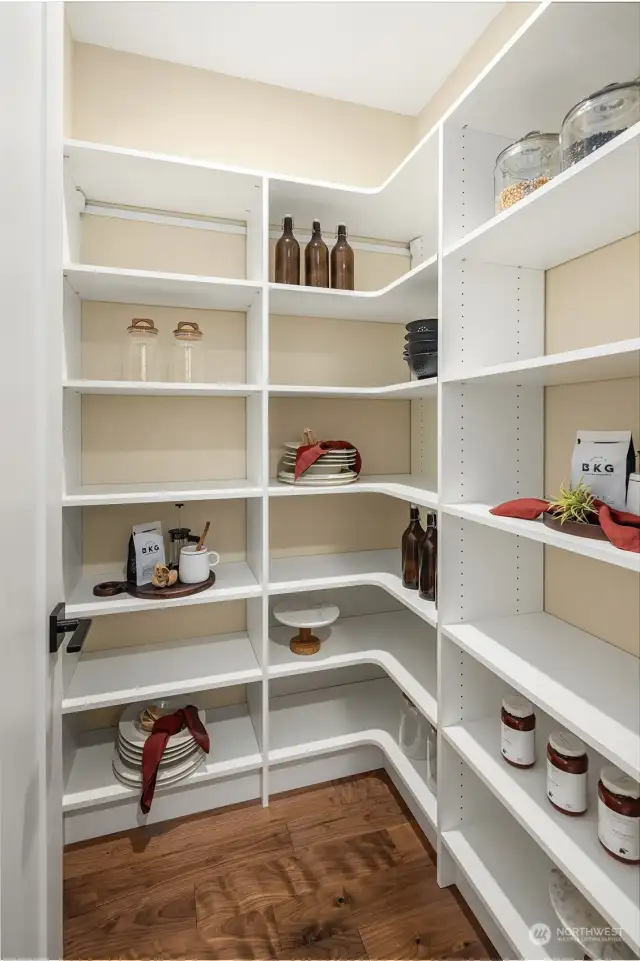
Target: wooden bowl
{"x": 592, "y": 529}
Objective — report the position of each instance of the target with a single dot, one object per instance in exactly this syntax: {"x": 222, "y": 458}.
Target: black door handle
{"x": 59, "y": 626}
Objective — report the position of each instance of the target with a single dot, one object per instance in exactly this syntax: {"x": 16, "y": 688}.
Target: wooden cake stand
{"x": 305, "y": 617}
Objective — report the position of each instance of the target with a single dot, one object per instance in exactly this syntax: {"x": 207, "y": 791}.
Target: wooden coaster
{"x": 305, "y": 642}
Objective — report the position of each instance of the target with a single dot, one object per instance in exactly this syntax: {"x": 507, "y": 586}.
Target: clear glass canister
{"x": 141, "y": 360}
{"x": 414, "y": 731}
{"x": 524, "y": 166}
{"x": 599, "y": 118}
{"x": 187, "y": 364}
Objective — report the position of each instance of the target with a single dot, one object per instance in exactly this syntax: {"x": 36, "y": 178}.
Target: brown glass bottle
{"x": 411, "y": 540}
{"x": 342, "y": 272}
{"x": 287, "y": 255}
{"x": 316, "y": 260}
{"x": 429, "y": 560}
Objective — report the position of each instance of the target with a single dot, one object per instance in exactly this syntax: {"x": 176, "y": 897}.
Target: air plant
{"x": 574, "y": 504}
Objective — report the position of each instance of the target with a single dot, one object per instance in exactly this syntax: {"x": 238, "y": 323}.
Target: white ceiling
{"x": 392, "y": 55}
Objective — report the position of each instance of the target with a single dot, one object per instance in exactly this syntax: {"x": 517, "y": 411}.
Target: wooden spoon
{"x": 203, "y": 536}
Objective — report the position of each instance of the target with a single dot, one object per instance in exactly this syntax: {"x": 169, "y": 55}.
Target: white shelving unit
{"x": 309, "y": 719}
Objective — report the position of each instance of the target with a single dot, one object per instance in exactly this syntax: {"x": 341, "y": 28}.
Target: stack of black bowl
{"x": 421, "y": 348}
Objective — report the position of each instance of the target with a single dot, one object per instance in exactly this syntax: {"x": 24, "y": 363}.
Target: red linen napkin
{"x": 309, "y": 453}
{"x": 621, "y": 528}
{"x": 155, "y": 744}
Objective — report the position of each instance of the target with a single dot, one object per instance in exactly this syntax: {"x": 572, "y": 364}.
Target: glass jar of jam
{"x": 518, "y": 731}
{"x": 619, "y": 815}
{"x": 567, "y": 766}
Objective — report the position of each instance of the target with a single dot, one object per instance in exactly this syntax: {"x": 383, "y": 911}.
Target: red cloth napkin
{"x": 622, "y": 528}
{"x": 309, "y": 453}
{"x": 155, "y": 744}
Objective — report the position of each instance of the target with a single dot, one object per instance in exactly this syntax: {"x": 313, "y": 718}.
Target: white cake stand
{"x": 305, "y": 617}
{"x": 575, "y": 912}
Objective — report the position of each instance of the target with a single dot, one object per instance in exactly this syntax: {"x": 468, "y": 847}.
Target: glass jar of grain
{"x": 598, "y": 119}
{"x": 524, "y": 166}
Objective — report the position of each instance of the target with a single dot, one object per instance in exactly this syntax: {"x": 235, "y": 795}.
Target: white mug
{"x": 195, "y": 565}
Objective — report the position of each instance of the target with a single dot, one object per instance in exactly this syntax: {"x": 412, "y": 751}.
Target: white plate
{"x": 325, "y": 459}
{"x": 294, "y": 444}
{"x": 318, "y": 481}
{"x": 169, "y": 752}
{"x": 132, "y": 733}
{"x": 133, "y": 776}
{"x": 302, "y": 614}
{"x": 337, "y": 475}
{"x": 176, "y": 757}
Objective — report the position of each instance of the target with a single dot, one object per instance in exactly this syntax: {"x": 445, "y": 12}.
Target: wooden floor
{"x": 335, "y": 871}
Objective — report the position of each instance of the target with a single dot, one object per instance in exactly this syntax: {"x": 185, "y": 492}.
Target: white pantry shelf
{"x": 129, "y": 674}
{"x": 510, "y": 875}
{"x": 92, "y": 495}
{"x": 590, "y": 205}
{"x": 563, "y": 670}
{"x": 412, "y": 390}
{"x": 135, "y": 178}
{"x": 233, "y": 582}
{"x": 313, "y": 723}
{"x": 537, "y": 531}
{"x": 290, "y": 575}
{"x": 613, "y": 888}
{"x": 133, "y": 388}
{"x": 396, "y": 641}
{"x": 411, "y": 296}
{"x": 92, "y": 783}
{"x": 124, "y": 286}
{"x": 604, "y": 362}
{"x": 406, "y": 487}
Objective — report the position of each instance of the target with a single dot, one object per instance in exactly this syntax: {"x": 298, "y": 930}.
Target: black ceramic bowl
{"x": 422, "y": 347}
{"x": 421, "y": 335}
{"x": 423, "y": 326}
{"x": 424, "y": 365}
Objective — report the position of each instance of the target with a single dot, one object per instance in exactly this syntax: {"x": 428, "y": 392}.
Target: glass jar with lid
{"x": 141, "y": 359}
{"x": 187, "y": 364}
{"x": 524, "y": 166}
{"x": 597, "y": 119}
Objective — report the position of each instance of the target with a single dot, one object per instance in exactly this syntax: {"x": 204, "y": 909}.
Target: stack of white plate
{"x": 181, "y": 757}
{"x": 333, "y": 468}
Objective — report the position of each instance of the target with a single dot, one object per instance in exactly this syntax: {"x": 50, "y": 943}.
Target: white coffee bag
{"x": 604, "y": 458}
{"x": 148, "y": 545}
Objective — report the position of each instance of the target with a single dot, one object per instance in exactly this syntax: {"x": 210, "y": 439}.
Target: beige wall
{"x": 131, "y": 101}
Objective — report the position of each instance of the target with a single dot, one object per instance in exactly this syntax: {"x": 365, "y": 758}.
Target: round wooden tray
{"x": 149, "y": 592}
{"x": 593, "y": 531}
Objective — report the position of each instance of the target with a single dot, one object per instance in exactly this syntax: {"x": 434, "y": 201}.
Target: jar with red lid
{"x": 567, "y": 766}
{"x": 619, "y": 815}
{"x": 518, "y": 731}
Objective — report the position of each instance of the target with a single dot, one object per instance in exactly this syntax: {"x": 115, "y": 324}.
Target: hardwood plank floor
{"x": 336, "y": 871}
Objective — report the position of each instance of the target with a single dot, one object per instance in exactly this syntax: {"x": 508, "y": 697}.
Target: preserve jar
{"x": 518, "y": 731}
{"x": 598, "y": 119}
{"x": 187, "y": 365}
{"x": 141, "y": 360}
{"x": 619, "y": 815}
{"x": 567, "y": 766}
{"x": 524, "y": 166}
{"x": 414, "y": 731}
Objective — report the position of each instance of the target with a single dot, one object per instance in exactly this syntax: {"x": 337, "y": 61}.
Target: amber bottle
{"x": 342, "y": 272}
{"x": 411, "y": 541}
{"x": 316, "y": 260}
{"x": 429, "y": 560}
{"x": 287, "y": 255}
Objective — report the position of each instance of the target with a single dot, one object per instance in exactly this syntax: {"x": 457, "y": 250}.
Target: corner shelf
{"x": 395, "y": 641}
{"x": 412, "y": 390}
{"x": 128, "y": 674}
{"x": 332, "y": 719}
{"x": 562, "y": 668}
{"x": 159, "y": 289}
{"x": 613, "y": 888}
{"x": 537, "y": 531}
{"x": 406, "y": 487}
{"x": 289, "y": 575}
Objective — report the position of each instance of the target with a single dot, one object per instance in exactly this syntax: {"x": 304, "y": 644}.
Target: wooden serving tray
{"x": 149, "y": 592}
{"x": 593, "y": 531}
